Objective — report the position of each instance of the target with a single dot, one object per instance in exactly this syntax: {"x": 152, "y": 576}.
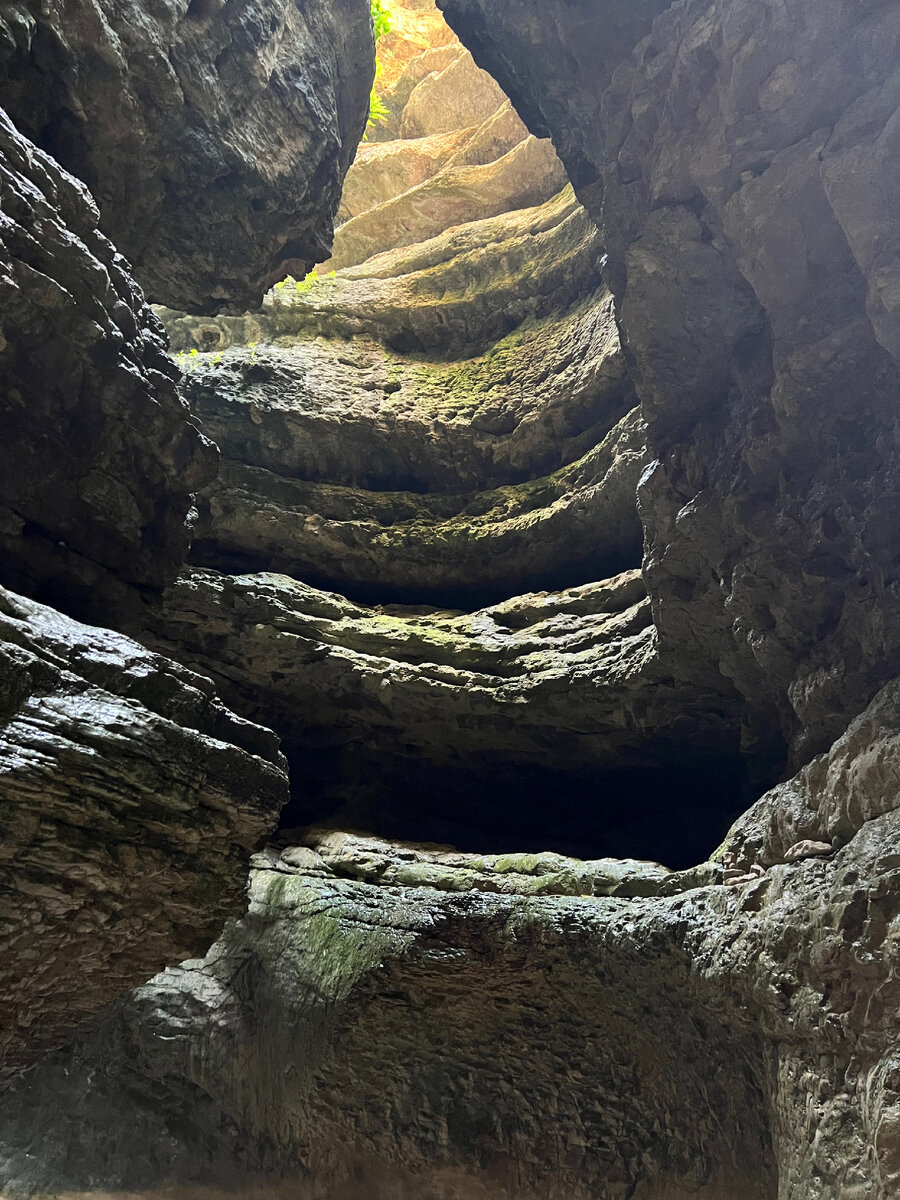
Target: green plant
{"x": 381, "y": 18}
{"x": 381, "y": 24}
{"x": 378, "y": 110}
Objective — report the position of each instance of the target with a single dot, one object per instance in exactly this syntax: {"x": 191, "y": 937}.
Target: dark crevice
{"x": 459, "y": 596}
{"x": 676, "y": 813}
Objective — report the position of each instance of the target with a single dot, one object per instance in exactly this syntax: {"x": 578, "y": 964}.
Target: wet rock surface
{"x": 453, "y": 1007}
{"x": 214, "y": 138}
{"x": 100, "y": 454}
{"x": 130, "y": 798}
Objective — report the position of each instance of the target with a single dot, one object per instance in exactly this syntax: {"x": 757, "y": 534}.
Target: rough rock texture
{"x": 129, "y": 799}
{"x": 524, "y": 176}
{"x": 350, "y": 412}
{"x": 214, "y": 137}
{"x": 565, "y": 527}
{"x": 424, "y": 723}
{"x": 486, "y": 463}
{"x": 407, "y": 1021}
{"x": 743, "y": 164}
{"x": 450, "y": 150}
{"x": 452, "y": 294}
{"x": 99, "y": 455}
{"x": 351, "y": 466}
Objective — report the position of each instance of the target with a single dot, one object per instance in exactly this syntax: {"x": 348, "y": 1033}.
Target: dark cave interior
{"x": 676, "y": 814}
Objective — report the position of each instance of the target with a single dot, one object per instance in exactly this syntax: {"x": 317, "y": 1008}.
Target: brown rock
{"x": 458, "y": 97}
{"x": 808, "y": 849}
{"x": 525, "y": 176}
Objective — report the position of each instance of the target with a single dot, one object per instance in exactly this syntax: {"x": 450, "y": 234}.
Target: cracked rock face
{"x": 214, "y": 137}
{"x": 100, "y": 454}
{"x": 742, "y": 169}
{"x": 129, "y": 800}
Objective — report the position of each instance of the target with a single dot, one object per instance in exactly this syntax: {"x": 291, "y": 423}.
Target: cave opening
{"x": 675, "y": 813}
{"x": 439, "y": 420}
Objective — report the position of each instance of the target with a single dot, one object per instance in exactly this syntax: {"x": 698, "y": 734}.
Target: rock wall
{"x": 100, "y": 454}
{"x": 214, "y": 137}
{"x": 426, "y": 1023}
{"x": 740, "y": 165}
{"x": 412, "y": 1020}
{"x": 130, "y": 798}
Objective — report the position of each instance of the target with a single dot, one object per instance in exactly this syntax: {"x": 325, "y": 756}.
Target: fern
{"x": 381, "y": 18}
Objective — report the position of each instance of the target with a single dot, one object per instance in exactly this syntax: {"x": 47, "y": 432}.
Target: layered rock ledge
{"x": 420, "y": 1015}
{"x": 130, "y": 799}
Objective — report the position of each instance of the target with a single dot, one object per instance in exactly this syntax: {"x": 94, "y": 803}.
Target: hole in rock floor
{"x": 676, "y": 814}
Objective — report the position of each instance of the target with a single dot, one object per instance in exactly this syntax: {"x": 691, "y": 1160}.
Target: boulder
{"x": 214, "y": 137}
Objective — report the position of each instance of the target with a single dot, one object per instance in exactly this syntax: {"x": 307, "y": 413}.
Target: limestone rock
{"x": 130, "y": 798}
{"x": 453, "y": 294}
{"x": 371, "y": 1026}
{"x": 100, "y": 454}
{"x": 743, "y": 174}
{"x": 460, "y": 96}
{"x": 567, "y": 526}
{"x": 526, "y": 175}
{"x": 830, "y": 800}
{"x": 354, "y": 414}
{"x": 450, "y": 151}
{"x": 552, "y": 710}
{"x": 214, "y": 137}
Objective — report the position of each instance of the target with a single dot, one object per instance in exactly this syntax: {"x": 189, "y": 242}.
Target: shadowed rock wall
{"x": 214, "y": 137}
{"x": 100, "y": 454}
{"x": 739, "y": 162}
{"x": 129, "y": 800}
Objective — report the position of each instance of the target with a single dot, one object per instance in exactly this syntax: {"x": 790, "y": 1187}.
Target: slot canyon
{"x": 450, "y": 600}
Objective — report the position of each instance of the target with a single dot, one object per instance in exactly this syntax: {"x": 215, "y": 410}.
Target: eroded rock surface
{"x": 100, "y": 454}
{"x": 580, "y": 521}
{"x": 426, "y": 1022}
{"x": 424, "y": 723}
{"x": 214, "y": 137}
{"x": 130, "y": 797}
{"x": 747, "y": 190}
{"x": 449, "y": 149}
{"x": 455, "y": 293}
{"x": 562, "y": 679}
{"x": 483, "y": 465}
